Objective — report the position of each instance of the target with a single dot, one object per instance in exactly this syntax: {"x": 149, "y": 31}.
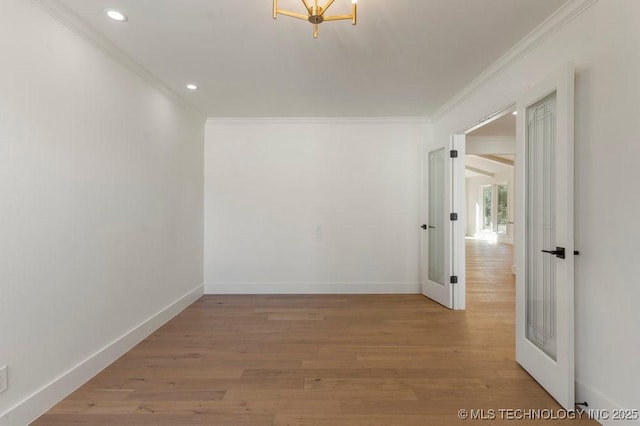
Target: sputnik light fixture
{"x": 316, "y": 14}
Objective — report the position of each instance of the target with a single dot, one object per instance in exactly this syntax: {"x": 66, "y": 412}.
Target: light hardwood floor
{"x": 323, "y": 360}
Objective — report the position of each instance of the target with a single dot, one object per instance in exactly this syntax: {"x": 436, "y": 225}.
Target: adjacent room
{"x": 292, "y": 212}
{"x": 490, "y": 205}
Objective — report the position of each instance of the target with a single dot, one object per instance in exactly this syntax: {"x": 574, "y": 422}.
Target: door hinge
{"x": 453, "y": 216}
{"x": 454, "y": 279}
{"x": 453, "y": 153}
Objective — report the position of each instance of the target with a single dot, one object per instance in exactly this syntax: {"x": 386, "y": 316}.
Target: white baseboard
{"x": 312, "y": 288}
{"x": 46, "y": 397}
{"x": 602, "y": 404}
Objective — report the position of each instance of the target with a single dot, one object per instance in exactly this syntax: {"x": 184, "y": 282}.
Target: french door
{"x": 544, "y": 235}
{"x": 495, "y": 209}
{"x": 438, "y": 248}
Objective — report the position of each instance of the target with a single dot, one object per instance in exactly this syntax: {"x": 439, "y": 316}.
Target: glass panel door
{"x": 487, "y": 203}
{"x": 544, "y": 234}
{"x": 436, "y": 216}
{"x": 503, "y": 209}
{"x": 540, "y": 225}
{"x": 438, "y": 247}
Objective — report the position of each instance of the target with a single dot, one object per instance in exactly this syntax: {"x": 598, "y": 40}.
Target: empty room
{"x": 303, "y": 212}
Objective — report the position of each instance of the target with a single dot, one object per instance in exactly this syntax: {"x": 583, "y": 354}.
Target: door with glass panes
{"x": 544, "y": 235}
{"x": 437, "y": 245}
{"x": 495, "y": 209}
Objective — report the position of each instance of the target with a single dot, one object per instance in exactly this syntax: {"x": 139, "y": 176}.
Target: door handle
{"x": 424, "y": 227}
{"x": 429, "y": 226}
{"x": 559, "y": 252}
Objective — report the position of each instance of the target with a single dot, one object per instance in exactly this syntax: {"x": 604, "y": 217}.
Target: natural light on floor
{"x": 489, "y": 237}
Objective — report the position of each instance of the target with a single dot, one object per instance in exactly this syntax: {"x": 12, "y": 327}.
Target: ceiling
{"x": 503, "y": 127}
{"x": 403, "y": 59}
{"x": 476, "y": 166}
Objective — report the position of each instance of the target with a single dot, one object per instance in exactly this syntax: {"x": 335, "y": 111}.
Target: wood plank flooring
{"x": 322, "y": 360}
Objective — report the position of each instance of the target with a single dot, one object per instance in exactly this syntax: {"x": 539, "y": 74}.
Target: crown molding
{"x": 319, "y": 120}
{"x": 71, "y": 20}
{"x": 564, "y": 15}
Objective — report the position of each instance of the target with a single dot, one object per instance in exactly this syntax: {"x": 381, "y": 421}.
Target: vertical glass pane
{"x": 486, "y": 207}
{"x": 436, "y": 216}
{"x": 540, "y": 225}
{"x": 502, "y": 209}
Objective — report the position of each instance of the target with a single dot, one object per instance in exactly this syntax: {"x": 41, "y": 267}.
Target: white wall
{"x": 487, "y": 145}
{"x": 312, "y": 206}
{"x": 603, "y": 43}
{"x": 100, "y": 209}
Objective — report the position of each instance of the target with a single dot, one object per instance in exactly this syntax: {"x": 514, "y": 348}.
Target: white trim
{"x": 50, "y": 394}
{"x": 71, "y": 20}
{"x": 297, "y": 287}
{"x": 567, "y": 13}
{"x": 319, "y": 120}
{"x": 598, "y": 401}
{"x": 459, "y": 205}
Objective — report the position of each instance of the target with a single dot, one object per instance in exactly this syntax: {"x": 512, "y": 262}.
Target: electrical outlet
{"x": 3, "y": 379}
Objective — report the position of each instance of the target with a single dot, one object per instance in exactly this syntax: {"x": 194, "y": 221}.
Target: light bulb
{"x": 116, "y": 16}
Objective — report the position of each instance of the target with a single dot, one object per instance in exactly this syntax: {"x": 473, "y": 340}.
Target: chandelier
{"x": 316, "y": 14}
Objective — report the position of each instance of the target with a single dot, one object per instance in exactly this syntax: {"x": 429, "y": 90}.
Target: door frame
{"x": 459, "y": 198}
{"x": 459, "y": 205}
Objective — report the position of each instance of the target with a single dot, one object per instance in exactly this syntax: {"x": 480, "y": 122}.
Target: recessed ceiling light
{"x": 116, "y": 16}
{"x": 515, "y": 113}
{"x": 192, "y": 86}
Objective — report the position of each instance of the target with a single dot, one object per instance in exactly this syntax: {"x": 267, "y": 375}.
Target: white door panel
{"x": 437, "y": 231}
{"x": 544, "y": 235}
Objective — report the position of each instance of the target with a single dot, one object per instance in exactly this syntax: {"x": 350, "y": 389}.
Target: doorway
{"x": 544, "y": 283}
{"x": 490, "y": 194}
{"x": 544, "y": 252}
